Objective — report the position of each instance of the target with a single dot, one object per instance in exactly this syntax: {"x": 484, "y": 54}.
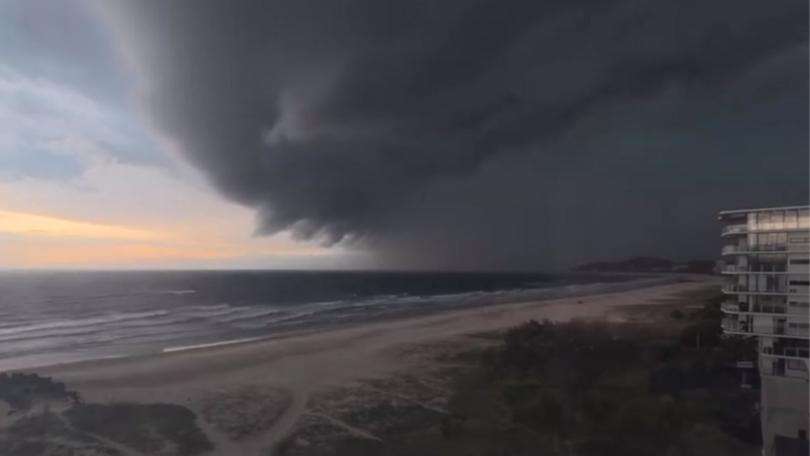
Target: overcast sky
{"x": 458, "y": 134}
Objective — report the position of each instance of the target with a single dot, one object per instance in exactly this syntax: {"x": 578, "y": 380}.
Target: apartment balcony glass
{"x": 736, "y": 288}
{"x": 735, "y": 229}
{"x": 732, "y": 324}
{"x": 731, "y": 288}
{"x": 787, "y": 351}
{"x": 754, "y": 269}
{"x": 764, "y": 248}
{"x": 735, "y": 307}
{"x": 779, "y": 219}
{"x": 730, "y": 307}
{"x": 731, "y": 249}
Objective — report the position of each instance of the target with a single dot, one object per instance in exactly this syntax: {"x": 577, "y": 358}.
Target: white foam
{"x": 211, "y": 344}
{"x": 175, "y": 292}
{"x": 101, "y": 320}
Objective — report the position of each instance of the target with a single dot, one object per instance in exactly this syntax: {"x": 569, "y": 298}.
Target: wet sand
{"x": 250, "y": 397}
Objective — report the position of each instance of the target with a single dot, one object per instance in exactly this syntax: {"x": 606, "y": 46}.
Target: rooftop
{"x": 761, "y": 209}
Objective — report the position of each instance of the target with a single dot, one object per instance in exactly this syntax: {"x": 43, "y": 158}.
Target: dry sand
{"x": 248, "y": 397}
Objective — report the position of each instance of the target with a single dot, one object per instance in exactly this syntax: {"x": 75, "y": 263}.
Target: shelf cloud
{"x": 481, "y": 134}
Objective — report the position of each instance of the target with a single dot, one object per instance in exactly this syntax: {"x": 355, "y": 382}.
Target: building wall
{"x": 781, "y": 409}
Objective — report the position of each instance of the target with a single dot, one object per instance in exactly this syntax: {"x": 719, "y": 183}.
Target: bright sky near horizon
{"x": 84, "y": 183}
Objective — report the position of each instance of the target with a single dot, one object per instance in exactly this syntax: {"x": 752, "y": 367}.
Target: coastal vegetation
{"x": 42, "y": 417}
{"x": 593, "y": 390}
{"x": 667, "y": 387}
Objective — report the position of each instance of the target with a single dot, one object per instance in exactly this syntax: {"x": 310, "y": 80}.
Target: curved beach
{"x": 278, "y": 378}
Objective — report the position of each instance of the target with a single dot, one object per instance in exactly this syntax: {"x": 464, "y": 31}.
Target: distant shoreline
{"x": 493, "y": 300}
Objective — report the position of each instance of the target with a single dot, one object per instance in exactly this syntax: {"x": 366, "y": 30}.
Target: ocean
{"x": 57, "y": 317}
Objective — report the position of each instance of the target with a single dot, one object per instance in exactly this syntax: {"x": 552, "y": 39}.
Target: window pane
{"x": 764, "y": 222}
{"x": 804, "y": 218}
{"x": 791, "y": 219}
{"x": 777, "y": 220}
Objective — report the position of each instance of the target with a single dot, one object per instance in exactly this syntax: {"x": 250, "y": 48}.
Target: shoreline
{"x": 441, "y": 325}
{"x": 43, "y": 361}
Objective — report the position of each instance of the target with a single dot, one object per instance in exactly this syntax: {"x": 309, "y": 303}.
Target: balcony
{"x": 794, "y": 330}
{"x": 733, "y": 288}
{"x": 734, "y": 229}
{"x": 733, "y": 325}
{"x": 752, "y": 269}
{"x": 730, "y": 306}
{"x": 763, "y": 248}
{"x": 734, "y": 307}
{"x": 743, "y": 289}
{"x": 768, "y": 248}
{"x": 733, "y": 269}
{"x": 787, "y": 352}
{"x": 731, "y": 250}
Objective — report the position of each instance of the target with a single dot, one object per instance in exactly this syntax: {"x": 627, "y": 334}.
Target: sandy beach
{"x": 250, "y": 397}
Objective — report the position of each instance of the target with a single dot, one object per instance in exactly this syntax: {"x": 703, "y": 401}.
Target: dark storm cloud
{"x": 482, "y": 133}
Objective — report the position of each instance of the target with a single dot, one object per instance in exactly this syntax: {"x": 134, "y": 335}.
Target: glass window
{"x": 804, "y": 218}
{"x": 777, "y": 220}
{"x": 791, "y": 219}
{"x": 764, "y": 221}
{"x": 781, "y": 241}
{"x": 752, "y": 221}
{"x": 773, "y": 241}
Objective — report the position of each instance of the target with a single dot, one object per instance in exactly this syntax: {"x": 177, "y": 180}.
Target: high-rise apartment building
{"x": 768, "y": 268}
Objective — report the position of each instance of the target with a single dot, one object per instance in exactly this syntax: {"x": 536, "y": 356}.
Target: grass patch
{"x": 149, "y": 428}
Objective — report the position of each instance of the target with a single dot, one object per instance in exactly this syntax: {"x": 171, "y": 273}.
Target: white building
{"x": 768, "y": 268}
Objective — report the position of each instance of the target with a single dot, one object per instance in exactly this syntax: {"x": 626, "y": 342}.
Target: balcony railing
{"x": 734, "y": 288}
{"x": 730, "y": 249}
{"x": 763, "y": 248}
{"x": 755, "y": 269}
{"x": 731, "y": 324}
{"x": 791, "y": 352}
{"x": 767, "y": 248}
{"x": 730, "y": 306}
{"x": 735, "y": 229}
{"x": 737, "y": 288}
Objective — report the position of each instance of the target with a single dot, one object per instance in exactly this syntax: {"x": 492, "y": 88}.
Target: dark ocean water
{"x": 53, "y": 317}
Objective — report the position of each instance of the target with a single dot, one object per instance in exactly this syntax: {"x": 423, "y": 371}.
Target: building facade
{"x": 767, "y": 266}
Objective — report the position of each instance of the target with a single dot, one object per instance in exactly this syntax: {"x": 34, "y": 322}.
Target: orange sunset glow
{"x": 36, "y": 241}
